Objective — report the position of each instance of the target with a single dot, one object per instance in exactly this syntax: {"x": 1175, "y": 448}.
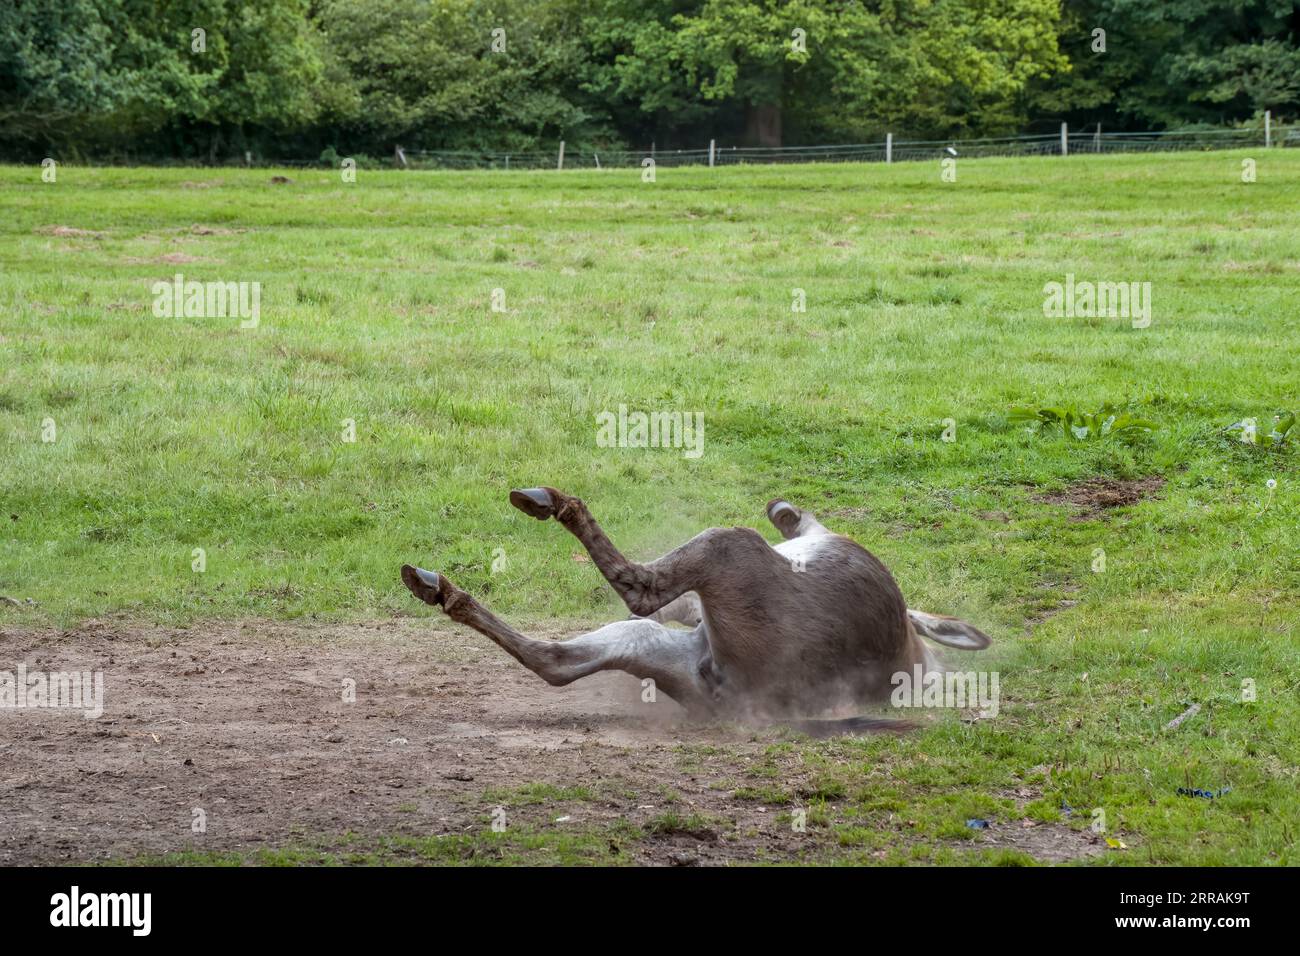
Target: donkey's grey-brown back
{"x": 794, "y": 630}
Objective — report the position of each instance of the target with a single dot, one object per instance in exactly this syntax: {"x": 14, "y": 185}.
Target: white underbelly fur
{"x": 800, "y": 551}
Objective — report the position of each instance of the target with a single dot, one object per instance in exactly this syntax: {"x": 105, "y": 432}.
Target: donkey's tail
{"x": 852, "y": 725}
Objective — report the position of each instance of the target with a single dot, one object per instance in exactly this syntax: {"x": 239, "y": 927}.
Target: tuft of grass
{"x": 530, "y": 794}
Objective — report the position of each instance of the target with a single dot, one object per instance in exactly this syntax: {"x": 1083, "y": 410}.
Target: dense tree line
{"x": 292, "y": 78}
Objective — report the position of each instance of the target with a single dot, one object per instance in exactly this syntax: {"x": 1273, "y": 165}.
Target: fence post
{"x": 1268, "y": 128}
{"x": 597, "y": 155}
{"x": 1097, "y": 140}
{"x": 712, "y": 147}
{"x": 889, "y": 147}
{"x": 559, "y": 163}
{"x": 1065, "y": 140}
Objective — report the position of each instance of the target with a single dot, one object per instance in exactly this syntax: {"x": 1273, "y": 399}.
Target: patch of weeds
{"x": 1069, "y": 422}
{"x": 1248, "y": 433}
{"x": 823, "y": 787}
{"x": 769, "y": 795}
{"x": 671, "y": 822}
{"x": 530, "y": 794}
{"x": 944, "y": 294}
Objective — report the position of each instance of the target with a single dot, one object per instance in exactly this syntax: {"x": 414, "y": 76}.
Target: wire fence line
{"x": 1068, "y": 142}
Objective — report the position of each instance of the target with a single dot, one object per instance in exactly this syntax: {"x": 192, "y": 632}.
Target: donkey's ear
{"x": 949, "y": 631}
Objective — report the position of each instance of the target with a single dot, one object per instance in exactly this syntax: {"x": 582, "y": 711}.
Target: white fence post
{"x": 559, "y": 163}
{"x": 712, "y": 147}
{"x": 1268, "y": 128}
{"x": 1065, "y": 140}
{"x": 1097, "y": 140}
{"x": 889, "y": 147}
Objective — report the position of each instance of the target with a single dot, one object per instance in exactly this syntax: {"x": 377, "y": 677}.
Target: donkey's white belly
{"x": 801, "y": 551}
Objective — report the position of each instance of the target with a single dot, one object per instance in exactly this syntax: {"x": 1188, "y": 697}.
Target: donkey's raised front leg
{"x": 677, "y": 661}
{"x": 701, "y": 564}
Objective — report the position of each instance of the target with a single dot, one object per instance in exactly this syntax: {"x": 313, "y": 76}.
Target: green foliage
{"x": 853, "y": 71}
{"x": 427, "y": 75}
{"x": 292, "y": 77}
{"x": 88, "y": 75}
{"x": 55, "y": 65}
{"x": 1082, "y": 426}
{"x": 1247, "y": 431}
{"x": 1175, "y": 63}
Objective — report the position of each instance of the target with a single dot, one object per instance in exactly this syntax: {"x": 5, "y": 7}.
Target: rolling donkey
{"x": 775, "y": 632}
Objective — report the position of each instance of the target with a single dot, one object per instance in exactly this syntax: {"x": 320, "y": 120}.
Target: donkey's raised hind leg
{"x": 674, "y": 660}
{"x": 714, "y": 562}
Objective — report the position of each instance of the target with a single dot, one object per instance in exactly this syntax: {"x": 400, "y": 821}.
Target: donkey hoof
{"x": 426, "y": 585}
{"x": 536, "y": 502}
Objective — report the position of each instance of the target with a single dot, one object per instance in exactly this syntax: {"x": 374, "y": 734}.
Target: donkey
{"x": 772, "y": 632}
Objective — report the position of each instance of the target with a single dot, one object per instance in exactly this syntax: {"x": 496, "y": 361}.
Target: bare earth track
{"x": 247, "y": 721}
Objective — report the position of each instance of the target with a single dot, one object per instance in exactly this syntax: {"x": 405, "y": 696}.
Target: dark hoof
{"x": 426, "y": 585}
{"x": 784, "y": 515}
{"x": 536, "y": 502}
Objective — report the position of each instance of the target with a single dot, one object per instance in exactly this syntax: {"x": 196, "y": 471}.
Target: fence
{"x": 1067, "y": 142}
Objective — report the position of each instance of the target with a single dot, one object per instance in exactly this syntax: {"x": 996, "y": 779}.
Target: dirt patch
{"x": 1045, "y": 842}
{"x": 1093, "y": 497}
{"x": 70, "y": 232}
{"x": 853, "y": 514}
{"x": 248, "y": 723}
{"x": 201, "y": 230}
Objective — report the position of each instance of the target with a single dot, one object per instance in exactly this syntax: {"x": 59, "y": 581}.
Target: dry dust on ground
{"x": 248, "y": 723}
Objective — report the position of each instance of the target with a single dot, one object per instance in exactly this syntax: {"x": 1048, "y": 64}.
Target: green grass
{"x": 515, "y": 847}
{"x": 536, "y": 793}
{"x": 924, "y": 303}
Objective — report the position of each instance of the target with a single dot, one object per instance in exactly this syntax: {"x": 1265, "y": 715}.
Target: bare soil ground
{"x": 1093, "y": 497}
{"x": 248, "y": 722}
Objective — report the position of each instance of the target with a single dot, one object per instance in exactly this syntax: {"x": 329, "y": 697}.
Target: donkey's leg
{"x": 698, "y": 565}
{"x": 793, "y": 522}
{"x": 682, "y": 610}
{"x": 674, "y": 660}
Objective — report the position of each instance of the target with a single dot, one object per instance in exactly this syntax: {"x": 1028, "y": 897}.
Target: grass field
{"x": 924, "y": 303}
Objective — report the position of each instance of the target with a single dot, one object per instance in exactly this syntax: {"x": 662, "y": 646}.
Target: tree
{"x": 1174, "y": 63}
{"x": 56, "y": 67}
{"x": 90, "y": 74}
{"x": 838, "y": 69}
{"x": 435, "y": 75}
